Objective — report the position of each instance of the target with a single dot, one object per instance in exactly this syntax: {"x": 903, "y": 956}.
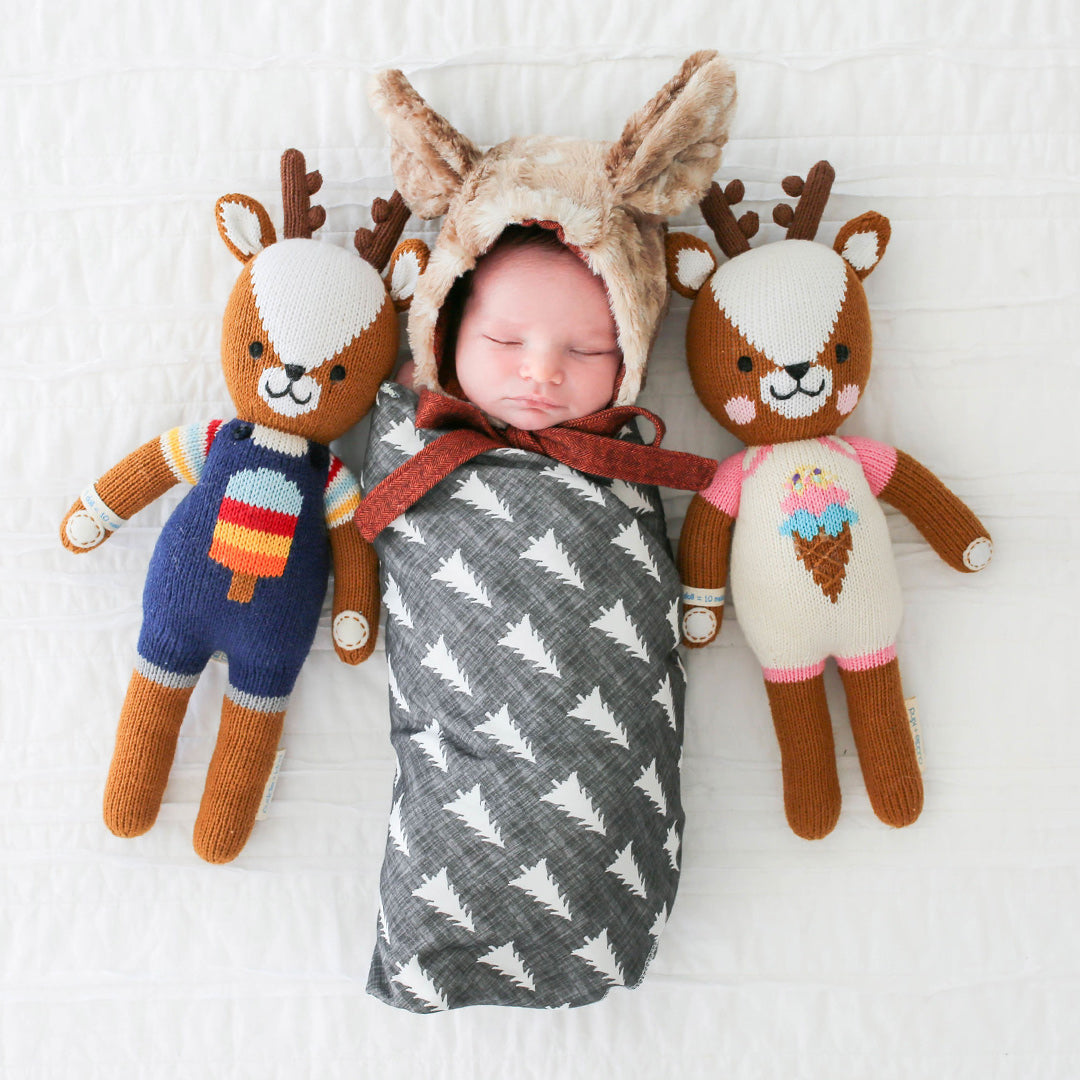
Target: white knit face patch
{"x": 313, "y": 299}
{"x": 783, "y": 297}
{"x": 794, "y": 398}
{"x": 288, "y": 397}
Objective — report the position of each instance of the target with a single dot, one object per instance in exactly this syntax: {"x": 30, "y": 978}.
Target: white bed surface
{"x": 947, "y": 950}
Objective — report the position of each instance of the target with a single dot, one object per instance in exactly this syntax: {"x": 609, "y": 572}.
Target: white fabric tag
{"x": 702, "y": 597}
{"x": 268, "y": 791}
{"x": 912, "y": 706}
{"x": 97, "y": 509}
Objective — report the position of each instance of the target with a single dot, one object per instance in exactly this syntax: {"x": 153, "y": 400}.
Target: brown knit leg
{"x": 145, "y": 744}
{"x": 243, "y": 759}
{"x": 883, "y": 739}
{"x": 807, "y": 756}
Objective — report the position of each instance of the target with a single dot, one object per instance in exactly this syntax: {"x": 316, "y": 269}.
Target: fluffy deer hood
{"x": 609, "y": 201}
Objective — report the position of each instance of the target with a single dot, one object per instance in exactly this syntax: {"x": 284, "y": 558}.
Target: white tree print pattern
{"x": 536, "y": 697}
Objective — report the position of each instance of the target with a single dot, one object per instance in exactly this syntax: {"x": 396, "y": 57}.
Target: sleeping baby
{"x": 535, "y": 688}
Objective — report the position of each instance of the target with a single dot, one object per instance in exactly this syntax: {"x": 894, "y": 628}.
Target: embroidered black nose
{"x": 796, "y": 371}
{"x": 294, "y": 371}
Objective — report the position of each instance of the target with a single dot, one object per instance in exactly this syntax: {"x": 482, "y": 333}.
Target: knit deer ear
{"x": 861, "y": 242}
{"x": 244, "y": 225}
{"x": 430, "y": 158}
{"x": 408, "y": 262}
{"x": 670, "y": 148}
{"x": 690, "y": 263}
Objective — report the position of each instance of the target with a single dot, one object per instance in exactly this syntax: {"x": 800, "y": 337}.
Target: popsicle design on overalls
{"x": 241, "y": 566}
{"x": 255, "y": 526}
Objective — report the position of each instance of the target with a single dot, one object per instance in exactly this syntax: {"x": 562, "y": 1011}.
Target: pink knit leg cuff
{"x": 793, "y": 674}
{"x": 867, "y": 660}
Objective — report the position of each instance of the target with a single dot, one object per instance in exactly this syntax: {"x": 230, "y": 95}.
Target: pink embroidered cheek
{"x": 847, "y": 399}
{"x": 741, "y": 410}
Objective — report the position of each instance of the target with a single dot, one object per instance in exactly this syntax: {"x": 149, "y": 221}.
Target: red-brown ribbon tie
{"x": 588, "y": 445}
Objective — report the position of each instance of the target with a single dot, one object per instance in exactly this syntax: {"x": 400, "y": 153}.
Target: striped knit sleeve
{"x": 185, "y": 449}
{"x": 342, "y": 493}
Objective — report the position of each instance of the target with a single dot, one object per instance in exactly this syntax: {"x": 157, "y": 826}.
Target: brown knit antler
{"x": 813, "y": 193}
{"x": 731, "y": 235}
{"x": 297, "y": 187}
{"x": 389, "y": 217}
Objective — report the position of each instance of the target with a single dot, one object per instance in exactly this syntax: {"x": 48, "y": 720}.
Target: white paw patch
{"x": 978, "y": 553}
{"x": 699, "y": 625}
{"x": 351, "y": 630}
{"x": 83, "y": 530}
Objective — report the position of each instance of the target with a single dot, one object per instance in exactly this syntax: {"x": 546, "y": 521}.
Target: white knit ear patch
{"x": 693, "y": 267}
{"x": 242, "y": 227}
{"x": 861, "y": 250}
{"x": 405, "y": 276}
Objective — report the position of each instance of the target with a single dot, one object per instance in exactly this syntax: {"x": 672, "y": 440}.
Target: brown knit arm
{"x": 949, "y": 527}
{"x": 356, "y": 594}
{"x": 136, "y": 481}
{"x": 704, "y": 550}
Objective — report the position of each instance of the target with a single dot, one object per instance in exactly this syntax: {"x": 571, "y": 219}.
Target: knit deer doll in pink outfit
{"x": 779, "y": 346}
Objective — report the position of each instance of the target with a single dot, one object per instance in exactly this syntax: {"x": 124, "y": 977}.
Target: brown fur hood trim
{"x": 611, "y": 200}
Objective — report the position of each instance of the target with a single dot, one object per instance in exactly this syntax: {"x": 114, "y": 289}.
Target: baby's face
{"x": 537, "y": 343}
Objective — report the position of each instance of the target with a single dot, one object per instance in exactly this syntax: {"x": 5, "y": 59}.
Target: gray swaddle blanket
{"x": 536, "y": 703}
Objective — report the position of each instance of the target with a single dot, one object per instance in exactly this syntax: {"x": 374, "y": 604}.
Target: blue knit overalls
{"x": 187, "y": 616}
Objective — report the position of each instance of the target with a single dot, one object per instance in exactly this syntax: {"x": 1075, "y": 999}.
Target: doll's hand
{"x": 353, "y": 640}
{"x": 700, "y": 625}
{"x": 976, "y": 556}
{"x": 82, "y": 529}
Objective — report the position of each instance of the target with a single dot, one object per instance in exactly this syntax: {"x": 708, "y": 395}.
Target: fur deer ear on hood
{"x": 429, "y": 156}
{"x": 670, "y": 148}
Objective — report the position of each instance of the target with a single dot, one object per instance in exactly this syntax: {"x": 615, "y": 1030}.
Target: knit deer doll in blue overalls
{"x": 242, "y": 564}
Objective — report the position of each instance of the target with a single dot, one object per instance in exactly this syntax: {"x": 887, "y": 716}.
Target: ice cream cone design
{"x": 255, "y": 526}
{"x": 819, "y": 523}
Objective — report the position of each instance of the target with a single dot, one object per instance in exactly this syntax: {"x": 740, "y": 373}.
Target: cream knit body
{"x": 788, "y": 617}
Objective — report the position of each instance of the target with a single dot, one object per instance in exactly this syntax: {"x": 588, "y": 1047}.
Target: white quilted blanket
{"x": 947, "y": 950}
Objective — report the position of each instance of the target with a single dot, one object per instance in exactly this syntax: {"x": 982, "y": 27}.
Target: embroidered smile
{"x": 799, "y": 389}
{"x": 288, "y": 391}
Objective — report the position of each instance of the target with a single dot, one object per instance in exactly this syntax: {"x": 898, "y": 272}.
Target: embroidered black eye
{"x": 745, "y": 363}
{"x": 337, "y": 373}
{"x": 255, "y": 350}
{"x": 842, "y": 353}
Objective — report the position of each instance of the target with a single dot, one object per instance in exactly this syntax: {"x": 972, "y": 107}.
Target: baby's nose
{"x": 542, "y": 365}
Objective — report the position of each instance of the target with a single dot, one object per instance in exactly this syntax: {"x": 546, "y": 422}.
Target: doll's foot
{"x": 808, "y": 758}
{"x": 145, "y": 744}
{"x": 884, "y": 742}
{"x": 243, "y": 759}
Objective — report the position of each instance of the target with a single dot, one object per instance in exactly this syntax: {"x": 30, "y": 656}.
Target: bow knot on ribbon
{"x": 588, "y": 444}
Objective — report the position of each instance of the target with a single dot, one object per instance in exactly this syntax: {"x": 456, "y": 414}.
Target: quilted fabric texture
{"x": 944, "y": 951}
{"x": 536, "y": 708}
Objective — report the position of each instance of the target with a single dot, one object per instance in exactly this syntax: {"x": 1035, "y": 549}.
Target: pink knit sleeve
{"x": 725, "y": 488}
{"x": 877, "y": 460}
